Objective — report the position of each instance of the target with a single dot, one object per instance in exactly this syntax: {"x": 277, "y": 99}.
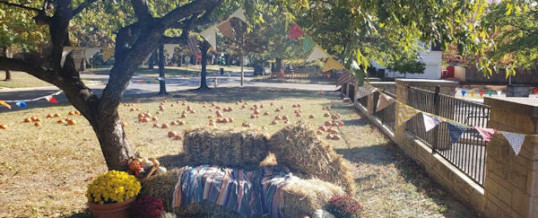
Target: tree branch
{"x": 20, "y": 6}
{"x": 30, "y": 65}
{"x": 187, "y": 10}
{"x": 141, "y": 10}
{"x": 82, "y": 6}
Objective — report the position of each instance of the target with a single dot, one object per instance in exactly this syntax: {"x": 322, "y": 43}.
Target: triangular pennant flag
{"x": 364, "y": 91}
{"x": 21, "y": 104}
{"x": 316, "y": 54}
{"x": 210, "y": 35}
{"x": 239, "y": 14}
{"x": 308, "y": 44}
{"x": 430, "y": 122}
{"x": 226, "y": 29}
{"x": 405, "y": 113}
{"x": 108, "y": 52}
{"x": 295, "y": 32}
{"x": 193, "y": 45}
{"x": 463, "y": 93}
{"x": 516, "y": 140}
{"x": 455, "y": 131}
{"x": 486, "y": 133}
{"x": 51, "y": 99}
{"x": 384, "y": 101}
{"x": 169, "y": 49}
{"x": 5, "y": 104}
{"x": 90, "y": 52}
{"x": 332, "y": 65}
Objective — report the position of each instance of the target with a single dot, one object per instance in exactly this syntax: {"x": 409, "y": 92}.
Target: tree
{"x": 514, "y": 28}
{"x": 409, "y": 63}
{"x": 133, "y": 43}
{"x": 136, "y": 38}
{"x": 16, "y": 37}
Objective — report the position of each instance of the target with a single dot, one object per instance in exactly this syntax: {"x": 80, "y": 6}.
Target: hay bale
{"x": 303, "y": 197}
{"x": 299, "y": 147}
{"x": 206, "y": 209}
{"x": 161, "y": 186}
{"x": 227, "y": 148}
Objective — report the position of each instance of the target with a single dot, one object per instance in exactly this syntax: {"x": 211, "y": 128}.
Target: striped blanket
{"x": 250, "y": 193}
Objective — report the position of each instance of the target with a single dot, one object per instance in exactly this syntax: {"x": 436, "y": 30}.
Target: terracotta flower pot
{"x": 114, "y": 210}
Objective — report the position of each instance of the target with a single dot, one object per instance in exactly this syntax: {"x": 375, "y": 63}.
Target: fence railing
{"x": 469, "y": 153}
{"x": 387, "y": 116}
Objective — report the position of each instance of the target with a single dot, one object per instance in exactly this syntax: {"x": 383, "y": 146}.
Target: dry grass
{"x": 45, "y": 170}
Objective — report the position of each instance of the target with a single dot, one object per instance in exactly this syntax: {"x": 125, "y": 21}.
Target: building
{"x": 433, "y": 59}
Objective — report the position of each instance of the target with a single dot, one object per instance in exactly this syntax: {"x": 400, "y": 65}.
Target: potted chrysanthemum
{"x": 111, "y": 194}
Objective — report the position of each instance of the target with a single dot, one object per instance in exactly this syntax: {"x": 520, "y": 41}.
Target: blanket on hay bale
{"x": 270, "y": 191}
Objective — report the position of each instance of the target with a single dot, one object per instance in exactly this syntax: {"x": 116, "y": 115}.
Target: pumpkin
{"x": 180, "y": 123}
{"x": 285, "y": 117}
{"x": 164, "y": 126}
{"x": 77, "y": 113}
{"x": 60, "y": 122}
{"x": 183, "y": 115}
{"x": 4, "y": 127}
{"x": 274, "y": 122}
{"x": 155, "y": 125}
{"x": 178, "y": 137}
{"x": 49, "y": 115}
{"x": 327, "y": 114}
{"x": 256, "y": 111}
{"x": 311, "y": 116}
{"x": 56, "y": 115}
{"x": 71, "y": 113}
{"x": 328, "y": 123}
{"x": 294, "y": 106}
{"x": 154, "y": 119}
{"x": 230, "y": 120}
{"x": 37, "y": 124}
{"x": 27, "y": 120}
{"x": 266, "y": 114}
{"x": 71, "y": 122}
{"x": 123, "y": 124}
{"x": 172, "y": 134}
{"x": 319, "y": 132}
{"x": 252, "y": 116}
{"x": 277, "y": 117}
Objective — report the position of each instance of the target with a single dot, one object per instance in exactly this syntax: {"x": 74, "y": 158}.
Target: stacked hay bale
{"x": 230, "y": 148}
{"x": 161, "y": 186}
{"x": 299, "y": 147}
{"x": 303, "y": 197}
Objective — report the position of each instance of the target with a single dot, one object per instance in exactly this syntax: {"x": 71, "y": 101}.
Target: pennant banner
{"x": 316, "y": 54}
{"x": 430, "y": 122}
{"x": 405, "y": 113}
{"x": 308, "y": 44}
{"x": 193, "y": 45}
{"x": 3, "y": 103}
{"x": 51, "y": 99}
{"x": 90, "y": 52}
{"x": 384, "y": 101}
{"x": 343, "y": 78}
{"x": 332, "y": 65}
{"x": 486, "y": 133}
{"x": 210, "y": 35}
{"x": 515, "y": 140}
{"x": 239, "y": 14}
{"x": 226, "y": 29}
{"x": 34, "y": 99}
{"x": 21, "y": 104}
{"x": 455, "y": 131}
{"x": 295, "y": 32}
{"x": 364, "y": 91}
{"x": 169, "y": 49}
{"x": 108, "y": 52}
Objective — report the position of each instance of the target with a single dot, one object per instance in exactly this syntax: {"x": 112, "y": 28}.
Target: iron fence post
{"x": 437, "y": 107}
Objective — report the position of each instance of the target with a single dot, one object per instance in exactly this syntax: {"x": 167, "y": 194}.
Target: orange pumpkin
{"x": 327, "y": 114}
{"x": 266, "y": 114}
{"x": 27, "y": 120}
{"x": 179, "y": 137}
{"x": 56, "y": 115}
{"x": 4, "y": 127}
{"x": 172, "y": 134}
{"x": 230, "y": 120}
{"x": 311, "y": 116}
{"x": 71, "y": 113}
{"x": 183, "y": 115}
{"x": 285, "y": 117}
{"x": 164, "y": 126}
{"x": 72, "y": 122}
{"x": 37, "y": 124}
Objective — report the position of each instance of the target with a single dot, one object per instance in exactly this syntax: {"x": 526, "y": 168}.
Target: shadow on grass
{"x": 411, "y": 172}
{"x": 82, "y": 214}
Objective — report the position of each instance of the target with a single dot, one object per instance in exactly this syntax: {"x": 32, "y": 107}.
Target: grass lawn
{"x": 25, "y": 80}
{"x": 45, "y": 170}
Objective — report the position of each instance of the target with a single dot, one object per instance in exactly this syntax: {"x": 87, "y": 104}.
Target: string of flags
{"x": 455, "y": 129}
{"x": 23, "y": 103}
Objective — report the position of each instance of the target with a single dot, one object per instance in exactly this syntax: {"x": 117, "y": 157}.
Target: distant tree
{"x": 408, "y": 63}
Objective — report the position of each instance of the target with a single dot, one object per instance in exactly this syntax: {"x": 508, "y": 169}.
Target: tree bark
{"x": 203, "y": 75}
{"x": 8, "y": 72}
{"x": 112, "y": 140}
{"x": 162, "y": 81}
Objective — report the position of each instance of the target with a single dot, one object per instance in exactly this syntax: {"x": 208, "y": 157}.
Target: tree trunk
{"x": 152, "y": 61}
{"x": 278, "y": 63}
{"x": 203, "y": 75}
{"x": 111, "y": 136}
{"x": 8, "y": 76}
{"x": 162, "y": 81}
{"x": 8, "y": 73}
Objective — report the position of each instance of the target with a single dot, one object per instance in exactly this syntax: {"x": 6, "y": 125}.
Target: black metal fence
{"x": 387, "y": 116}
{"x": 469, "y": 153}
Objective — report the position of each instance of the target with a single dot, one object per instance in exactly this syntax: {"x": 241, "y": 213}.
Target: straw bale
{"x": 206, "y": 209}
{"x": 303, "y": 197}
{"x": 229, "y": 148}
{"x": 299, "y": 147}
{"x": 161, "y": 186}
